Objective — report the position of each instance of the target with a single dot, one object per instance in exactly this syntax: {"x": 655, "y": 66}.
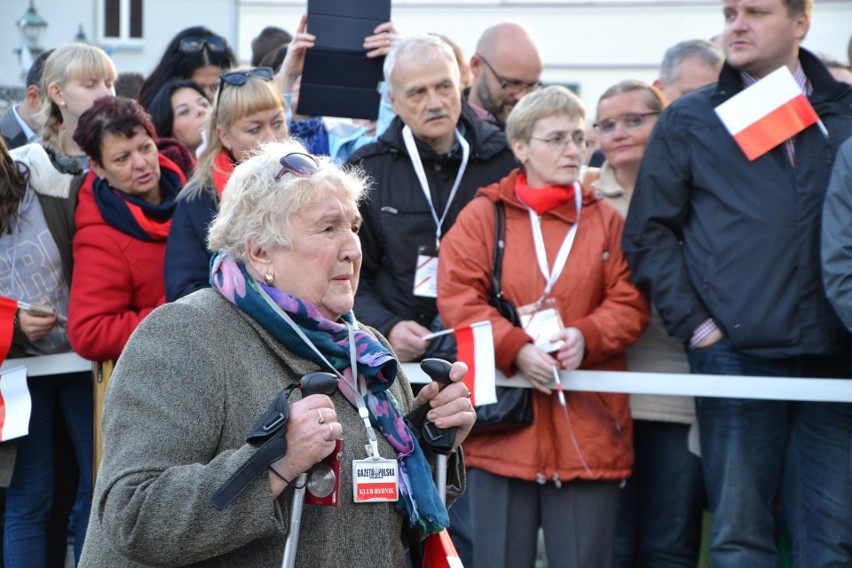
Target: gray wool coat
{"x": 191, "y": 382}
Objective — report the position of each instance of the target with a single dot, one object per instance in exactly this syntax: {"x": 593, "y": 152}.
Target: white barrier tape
{"x": 727, "y": 386}
{"x": 49, "y": 364}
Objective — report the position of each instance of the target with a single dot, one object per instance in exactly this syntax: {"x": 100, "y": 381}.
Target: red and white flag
{"x": 8, "y": 309}
{"x": 766, "y": 114}
{"x": 440, "y": 552}
{"x": 15, "y": 404}
{"x": 476, "y": 348}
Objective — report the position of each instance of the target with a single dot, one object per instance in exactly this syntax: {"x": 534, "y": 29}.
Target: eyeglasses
{"x": 194, "y": 44}
{"x": 240, "y": 78}
{"x": 298, "y": 164}
{"x": 560, "y": 142}
{"x": 631, "y": 121}
{"x": 512, "y": 85}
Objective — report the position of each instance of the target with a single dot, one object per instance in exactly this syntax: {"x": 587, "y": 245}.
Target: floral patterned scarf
{"x": 377, "y": 370}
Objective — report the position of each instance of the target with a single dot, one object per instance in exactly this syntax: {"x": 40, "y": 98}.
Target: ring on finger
{"x": 330, "y": 432}
{"x": 321, "y": 419}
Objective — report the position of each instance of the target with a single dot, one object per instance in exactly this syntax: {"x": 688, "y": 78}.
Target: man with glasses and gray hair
{"x": 506, "y": 66}
{"x": 425, "y": 168}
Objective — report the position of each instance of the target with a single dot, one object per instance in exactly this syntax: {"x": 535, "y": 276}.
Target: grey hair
{"x": 694, "y": 48}
{"x": 257, "y": 208}
{"x": 424, "y": 45}
{"x": 554, "y": 100}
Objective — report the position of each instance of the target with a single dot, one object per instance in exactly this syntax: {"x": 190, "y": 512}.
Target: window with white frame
{"x": 121, "y": 20}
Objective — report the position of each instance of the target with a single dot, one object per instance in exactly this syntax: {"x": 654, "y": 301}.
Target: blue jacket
{"x": 187, "y": 267}
{"x": 710, "y": 234}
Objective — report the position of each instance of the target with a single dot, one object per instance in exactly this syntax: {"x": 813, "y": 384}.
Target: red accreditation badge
{"x": 374, "y": 481}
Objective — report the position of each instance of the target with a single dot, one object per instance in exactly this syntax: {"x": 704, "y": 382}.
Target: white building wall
{"x": 162, "y": 19}
{"x": 591, "y": 43}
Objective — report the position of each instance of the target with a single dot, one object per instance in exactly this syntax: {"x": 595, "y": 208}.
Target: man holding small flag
{"x": 724, "y": 234}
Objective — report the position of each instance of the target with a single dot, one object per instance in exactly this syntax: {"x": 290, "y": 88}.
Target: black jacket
{"x": 397, "y": 220}
{"x": 187, "y": 262}
{"x": 710, "y": 234}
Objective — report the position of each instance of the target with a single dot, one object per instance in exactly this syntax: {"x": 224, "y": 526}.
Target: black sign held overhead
{"x": 338, "y": 79}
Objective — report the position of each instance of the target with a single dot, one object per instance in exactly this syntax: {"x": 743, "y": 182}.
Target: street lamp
{"x": 31, "y": 24}
{"x": 81, "y": 35}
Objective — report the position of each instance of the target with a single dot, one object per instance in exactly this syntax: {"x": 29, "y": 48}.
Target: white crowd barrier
{"x": 768, "y": 388}
{"x": 49, "y": 364}
{"x": 727, "y": 386}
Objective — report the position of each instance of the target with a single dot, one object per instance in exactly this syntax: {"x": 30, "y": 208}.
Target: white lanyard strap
{"x": 359, "y": 398}
{"x": 550, "y": 277}
{"x": 414, "y": 155}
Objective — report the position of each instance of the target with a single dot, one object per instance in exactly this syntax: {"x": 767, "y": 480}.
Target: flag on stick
{"x": 440, "y": 552}
{"x": 766, "y": 114}
{"x": 8, "y": 309}
{"x": 15, "y": 404}
{"x": 476, "y": 348}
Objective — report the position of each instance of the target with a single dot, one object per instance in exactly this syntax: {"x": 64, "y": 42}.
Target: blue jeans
{"x": 661, "y": 507}
{"x": 29, "y": 497}
{"x": 757, "y": 453}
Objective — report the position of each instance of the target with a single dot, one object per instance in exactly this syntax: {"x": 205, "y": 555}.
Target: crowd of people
{"x": 217, "y": 246}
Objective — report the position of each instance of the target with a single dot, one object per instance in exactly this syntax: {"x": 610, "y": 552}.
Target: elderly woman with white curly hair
{"x": 198, "y": 373}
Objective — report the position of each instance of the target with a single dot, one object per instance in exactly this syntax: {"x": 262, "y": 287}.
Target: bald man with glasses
{"x": 506, "y": 66}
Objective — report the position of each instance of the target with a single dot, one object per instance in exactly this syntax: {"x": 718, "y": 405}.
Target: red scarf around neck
{"x": 223, "y": 166}
{"x": 542, "y": 199}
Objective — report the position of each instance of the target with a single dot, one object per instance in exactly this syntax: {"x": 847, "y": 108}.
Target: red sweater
{"x": 117, "y": 281}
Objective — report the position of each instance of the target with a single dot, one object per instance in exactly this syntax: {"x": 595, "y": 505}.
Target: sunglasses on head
{"x": 298, "y": 164}
{"x": 240, "y": 78}
{"x": 194, "y": 44}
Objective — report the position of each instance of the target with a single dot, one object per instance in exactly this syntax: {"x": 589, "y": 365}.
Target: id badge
{"x": 542, "y": 322}
{"x": 426, "y": 274}
{"x": 374, "y": 481}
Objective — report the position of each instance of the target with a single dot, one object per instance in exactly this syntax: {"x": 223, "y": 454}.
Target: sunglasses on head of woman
{"x": 194, "y": 44}
{"x": 298, "y": 164}
{"x": 240, "y": 78}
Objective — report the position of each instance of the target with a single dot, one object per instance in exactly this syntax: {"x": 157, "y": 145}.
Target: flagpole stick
{"x": 429, "y": 336}
{"x": 559, "y": 390}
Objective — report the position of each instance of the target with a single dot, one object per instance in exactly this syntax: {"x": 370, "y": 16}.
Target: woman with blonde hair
{"x": 662, "y": 504}
{"x": 564, "y": 271}
{"x": 248, "y": 110}
{"x": 74, "y": 77}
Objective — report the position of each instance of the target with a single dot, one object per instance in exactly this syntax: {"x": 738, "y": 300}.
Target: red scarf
{"x": 542, "y": 199}
{"x": 223, "y": 166}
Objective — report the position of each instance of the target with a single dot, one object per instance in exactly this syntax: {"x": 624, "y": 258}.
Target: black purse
{"x": 513, "y": 408}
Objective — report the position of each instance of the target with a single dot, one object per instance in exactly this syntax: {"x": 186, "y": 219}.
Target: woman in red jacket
{"x": 123, "y": 217}
{"x": 564, "y": 267}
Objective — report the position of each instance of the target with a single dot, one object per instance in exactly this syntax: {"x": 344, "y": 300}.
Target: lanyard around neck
{"x": 414, "y": 155}
{"x": 353, "y": 362}
{"x": 551, "y": 276}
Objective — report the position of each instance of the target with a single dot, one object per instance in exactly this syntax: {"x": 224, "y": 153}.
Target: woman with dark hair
{"x": 37, "y": 198}
{"x": 123, "y": 218}
{"x": 179, "y": 111}
{"x": 195, "y": 53}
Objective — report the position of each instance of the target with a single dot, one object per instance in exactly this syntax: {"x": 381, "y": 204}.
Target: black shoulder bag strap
{"x": 506, "y": 309}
